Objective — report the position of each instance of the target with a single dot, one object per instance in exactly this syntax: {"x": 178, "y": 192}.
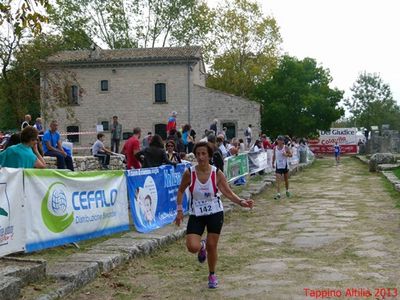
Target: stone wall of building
{"x": 131, "y": 97}
{"x": 87, "y": 163}
{"x": 212, "y": 104}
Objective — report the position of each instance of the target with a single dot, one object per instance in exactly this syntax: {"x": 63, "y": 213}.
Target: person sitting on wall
{"x": 52, "y": 147}
{"x": 24, "y": 154}
{"x": 101, "y": 152}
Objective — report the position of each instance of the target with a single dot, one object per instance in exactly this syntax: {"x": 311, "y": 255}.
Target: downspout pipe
{"x": 189, "y": 69}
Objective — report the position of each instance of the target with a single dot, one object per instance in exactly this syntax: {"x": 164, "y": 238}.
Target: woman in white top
{"x": 280, "y": 157}
{"x": 205, "y": 207}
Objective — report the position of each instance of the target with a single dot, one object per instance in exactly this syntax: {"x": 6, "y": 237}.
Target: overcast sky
{"x": 345, "y": 36}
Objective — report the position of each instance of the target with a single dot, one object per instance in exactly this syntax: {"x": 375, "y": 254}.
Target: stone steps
{"x": 16, "y": 273}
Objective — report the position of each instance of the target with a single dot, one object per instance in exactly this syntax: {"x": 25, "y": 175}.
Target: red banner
{"x": 329, "y": 149}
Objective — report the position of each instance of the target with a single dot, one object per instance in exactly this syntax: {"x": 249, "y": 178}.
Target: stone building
{"x": 82, "y": 89}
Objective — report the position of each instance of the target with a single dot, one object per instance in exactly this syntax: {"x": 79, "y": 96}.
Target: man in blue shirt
{"x": 52, "y": 147}
{"x": 24, "y": 154}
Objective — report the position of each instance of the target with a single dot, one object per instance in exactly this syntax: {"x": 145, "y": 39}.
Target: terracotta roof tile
{"x": 134, "y": 54}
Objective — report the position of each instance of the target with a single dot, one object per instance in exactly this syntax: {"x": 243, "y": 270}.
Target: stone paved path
{"x": 340, "y": 230}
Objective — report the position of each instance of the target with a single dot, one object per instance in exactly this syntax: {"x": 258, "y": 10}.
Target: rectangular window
{"x": 104, "y": 85}
{"x": 106, "y": 125}
{"x": 74, "y": 138}
{"x": 74, "y": 97}
{"x": 160, "y": 93}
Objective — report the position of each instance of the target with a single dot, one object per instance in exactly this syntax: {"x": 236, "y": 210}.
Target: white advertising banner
{"x": 342, "y": 136}
{"x": 64, "y": 207}
{"x": 12, "y": 221}
{"x": 345, "y": 137}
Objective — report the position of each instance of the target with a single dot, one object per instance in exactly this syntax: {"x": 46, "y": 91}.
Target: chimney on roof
{"x": 94, "y": 51}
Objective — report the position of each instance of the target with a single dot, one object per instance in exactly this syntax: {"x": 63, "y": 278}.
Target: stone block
{"x": 78, "y": 273}
{"x": 26, "y": 270}
{"x": 10, "y": 287}
{"x": 379, "y": 159}
{"x": 106, "y": 261}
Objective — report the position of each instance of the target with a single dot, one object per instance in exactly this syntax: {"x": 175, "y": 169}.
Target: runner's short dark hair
{"x": 100, "y": 135}
{"x": 204, "y": 144}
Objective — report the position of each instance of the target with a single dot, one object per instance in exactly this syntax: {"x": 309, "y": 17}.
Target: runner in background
{"x": 280, "y": 160}
{"x": 205, "y": 207}
{"x": 337, "y": 153}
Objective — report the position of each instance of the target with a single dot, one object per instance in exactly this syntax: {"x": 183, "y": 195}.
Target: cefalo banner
{"x": 12, "y": 222}
{"x": 64, "y": 207}
{"x": 345, "y": 137}
{"x": 152, "y": 195}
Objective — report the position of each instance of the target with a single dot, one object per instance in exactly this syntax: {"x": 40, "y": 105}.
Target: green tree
{"x": 246, "y": 43}
{"x": 20, "y": 85}
{"x": 372, "y": 102}
{"x": 134, "y": 23}
{"x": 24, "y": 14}
{"x": 297, "y": 100}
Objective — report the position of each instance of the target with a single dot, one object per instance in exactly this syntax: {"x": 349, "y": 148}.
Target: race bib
{"x": 281, "y": 164}
{"x": 207, "y": 207}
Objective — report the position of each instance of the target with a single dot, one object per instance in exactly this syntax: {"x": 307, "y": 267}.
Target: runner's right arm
{"x": 185, "y": 182}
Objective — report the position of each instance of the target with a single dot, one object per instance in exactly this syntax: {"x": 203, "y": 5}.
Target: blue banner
{"x": 152, "y": 195}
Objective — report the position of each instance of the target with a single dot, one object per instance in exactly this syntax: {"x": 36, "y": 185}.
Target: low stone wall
{"x": 87, "y": 163}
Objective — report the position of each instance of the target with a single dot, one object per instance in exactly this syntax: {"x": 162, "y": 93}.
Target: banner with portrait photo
{"x": 152, "y": 195}
{"x": 12, "y": 221}
{"x": 65, "y": 207}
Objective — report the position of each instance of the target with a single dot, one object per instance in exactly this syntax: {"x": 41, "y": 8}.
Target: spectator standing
{"x": 116, "y": 134}
{"x": 242, "y": 147}
{"x": 52, "y": 147}
{"x": 180, "y": 146}
{"x": 101, "y": 152}
{"x": 217, "y": 158}
{"x": 186, "y": 136}
{"x": 154, "y": 155}
{"x": 131, "y": 148}
{"x": 38, "y": 125}
{"x": 221, "y": 146}
{"x": 171, "y": 154}
{"x": 248, "y": 134}
{"x": 171, "y": 124}
{"x": 146, "y": 140}
{"x": 214, "y": 126}
{"x": 26, "y": 121}
{"x": 257, "y": 147}
{"x": 265, "y": 142}
{"x": 24, "y": 154}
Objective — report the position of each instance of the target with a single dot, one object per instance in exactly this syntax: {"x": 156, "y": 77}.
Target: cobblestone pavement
{"x": 338, "y": 234}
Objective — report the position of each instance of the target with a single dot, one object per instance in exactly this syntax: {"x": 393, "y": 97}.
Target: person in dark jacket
{"x": 217, "y": 158}
{"x": 154, "y": 155}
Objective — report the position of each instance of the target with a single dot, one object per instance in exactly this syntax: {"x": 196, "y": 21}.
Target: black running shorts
{"x": 214, "y": 222}
{"x": 282, "y": 171}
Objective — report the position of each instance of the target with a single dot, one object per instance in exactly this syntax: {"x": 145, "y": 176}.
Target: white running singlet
{"x": 204, "y": 198}
{"x": 280, "y": 159}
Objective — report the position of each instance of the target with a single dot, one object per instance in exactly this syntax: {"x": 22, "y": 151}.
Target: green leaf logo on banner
{"x": 56, "y": 221}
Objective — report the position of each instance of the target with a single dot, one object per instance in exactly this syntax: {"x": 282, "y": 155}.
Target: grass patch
{"x": 397, "y": 172}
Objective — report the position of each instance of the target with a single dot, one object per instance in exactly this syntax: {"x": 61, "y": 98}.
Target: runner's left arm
{"x": 226, "y": 190}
